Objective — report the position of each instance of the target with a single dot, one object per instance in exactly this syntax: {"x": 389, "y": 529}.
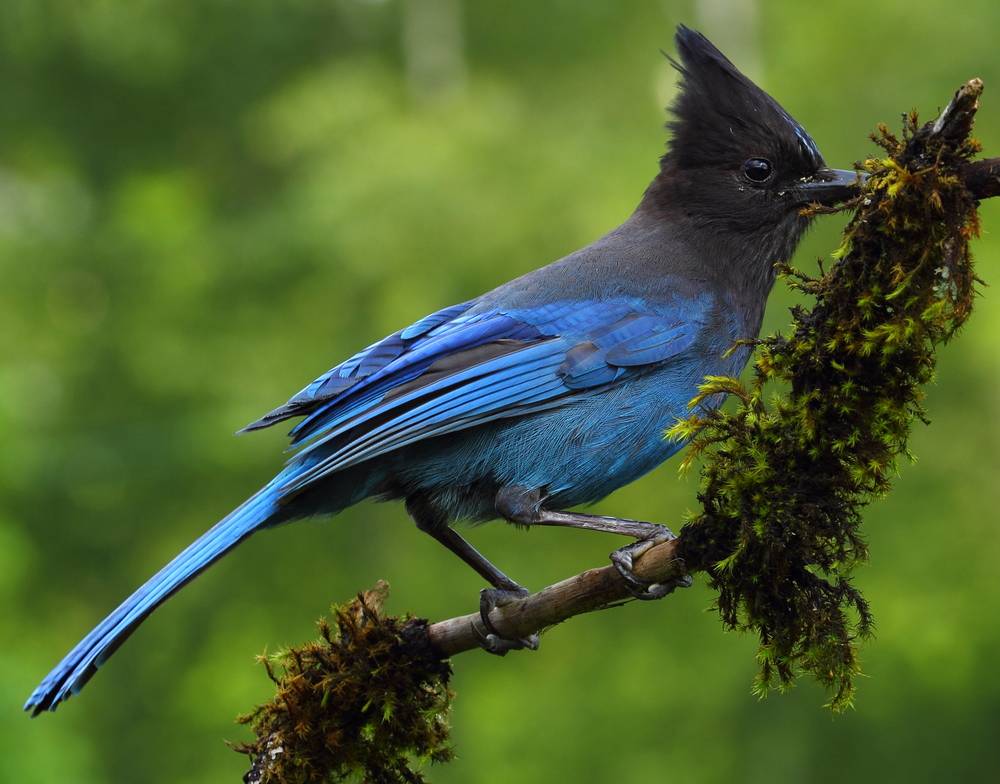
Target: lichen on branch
{"x": 817, "y": 431}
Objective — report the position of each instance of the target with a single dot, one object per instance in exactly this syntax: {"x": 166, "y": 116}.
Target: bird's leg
{"x": 524, "y": 507}
{"x": 504, "y": 590}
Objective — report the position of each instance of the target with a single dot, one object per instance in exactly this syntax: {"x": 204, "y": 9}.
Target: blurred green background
{"x": 203, "y": 205}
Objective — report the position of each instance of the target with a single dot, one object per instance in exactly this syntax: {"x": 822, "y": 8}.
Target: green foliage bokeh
{"x": 205, "y": 204}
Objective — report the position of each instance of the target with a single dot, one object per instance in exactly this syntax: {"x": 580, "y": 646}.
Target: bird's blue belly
{"x": 577, "y": 453}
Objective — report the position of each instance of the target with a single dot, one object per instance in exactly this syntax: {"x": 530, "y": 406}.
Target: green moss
{"x": 365, "y": 700}
{"x": 787, "y": 475}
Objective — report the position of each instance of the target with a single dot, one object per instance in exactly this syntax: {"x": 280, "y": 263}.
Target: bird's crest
{"x": 721, "y": 116}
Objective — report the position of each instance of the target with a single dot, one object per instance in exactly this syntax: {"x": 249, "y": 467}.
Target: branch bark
{"x": 982, "y": 178}
{"x": 594, "y": 589}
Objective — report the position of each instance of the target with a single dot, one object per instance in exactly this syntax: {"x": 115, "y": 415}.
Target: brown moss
{"x": 367, "y": 700}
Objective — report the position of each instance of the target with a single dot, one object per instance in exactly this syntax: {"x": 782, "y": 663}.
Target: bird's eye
{"x": 758, "y": 170}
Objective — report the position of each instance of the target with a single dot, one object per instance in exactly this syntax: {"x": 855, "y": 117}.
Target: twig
{"x": 592, "y": 590}
{"x": 982, "y": 178}
{"x": 955, "y": 121}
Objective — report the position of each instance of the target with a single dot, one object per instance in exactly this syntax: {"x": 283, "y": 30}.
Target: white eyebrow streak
{"x": 806, "y": 143}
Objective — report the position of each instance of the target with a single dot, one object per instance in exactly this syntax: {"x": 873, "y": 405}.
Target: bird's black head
{"x": 737, "y": 161}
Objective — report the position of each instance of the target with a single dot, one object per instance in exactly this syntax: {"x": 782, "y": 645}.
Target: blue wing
{"x": 339, "y": 380}
{"x": 465, "y": 366}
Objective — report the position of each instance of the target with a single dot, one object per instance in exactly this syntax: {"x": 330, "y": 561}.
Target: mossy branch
{"x": 784, "y": 481}
{"x": 787, "y": 475}
{"x": 370, "y": 695}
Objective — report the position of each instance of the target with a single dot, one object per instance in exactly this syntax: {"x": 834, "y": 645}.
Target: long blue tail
{"x": 80, "y": 664}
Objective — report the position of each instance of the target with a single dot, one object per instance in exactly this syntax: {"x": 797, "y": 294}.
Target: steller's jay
{"x": 552, "y": 390}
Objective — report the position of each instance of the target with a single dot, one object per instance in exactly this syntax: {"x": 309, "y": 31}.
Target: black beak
{"x": 830, "y": 186}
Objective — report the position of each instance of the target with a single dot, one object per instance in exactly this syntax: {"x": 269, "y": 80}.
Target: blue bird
{"x": 554, "y": 389}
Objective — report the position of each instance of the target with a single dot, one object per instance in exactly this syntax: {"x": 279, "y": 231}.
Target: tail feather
{"x": 80, "y": 664}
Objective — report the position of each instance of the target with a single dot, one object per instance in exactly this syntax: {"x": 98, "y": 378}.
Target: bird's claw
{"x": 495, "y": 644}
{"x": 624, "y": 561}
{"x": 490, "y": 639}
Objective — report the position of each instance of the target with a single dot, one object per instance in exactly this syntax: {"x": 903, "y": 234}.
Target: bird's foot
{"x": 491, "y": 640}
{"x": 624, "y": 560}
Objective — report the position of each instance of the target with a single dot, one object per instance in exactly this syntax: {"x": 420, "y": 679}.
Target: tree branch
{"x": 982, "y": 178}
{"x": 594, "y": 589}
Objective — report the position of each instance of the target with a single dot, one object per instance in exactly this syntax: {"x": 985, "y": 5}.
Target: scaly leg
{"x": 524, "y": 507}
{"x": 503, "y": 592}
